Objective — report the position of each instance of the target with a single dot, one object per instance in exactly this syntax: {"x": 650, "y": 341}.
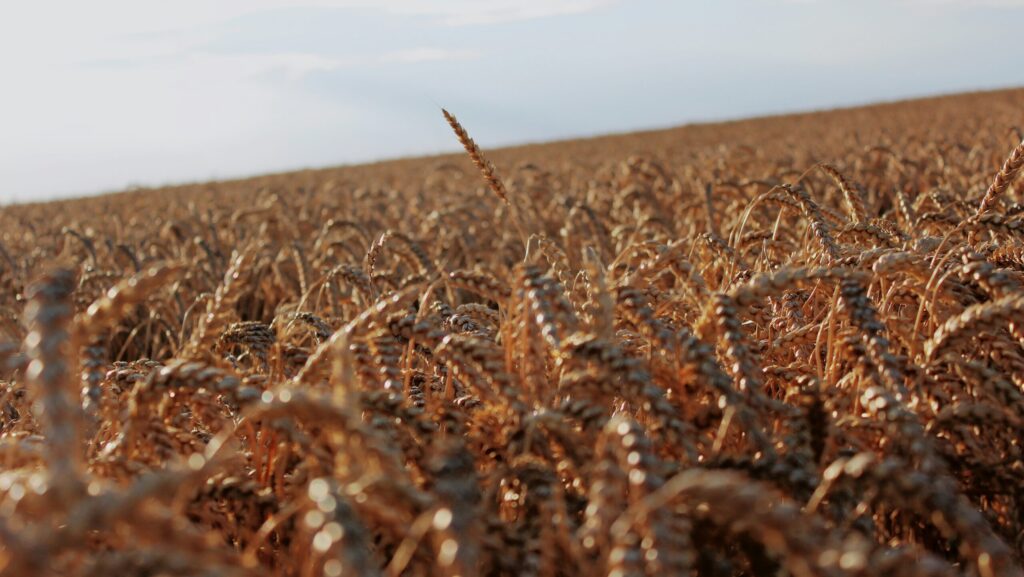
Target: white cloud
{"x": 452, "y": 12}
{"x": 469, "y": 12}
{"x": 290, "y": 64}
{"x": 256, "y": 65}
{"x": 425, "y": 54}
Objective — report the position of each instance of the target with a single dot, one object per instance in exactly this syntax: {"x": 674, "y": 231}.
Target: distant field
{"x": 790, "y": 345}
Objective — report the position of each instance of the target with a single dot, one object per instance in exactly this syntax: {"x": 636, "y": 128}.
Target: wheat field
{"x": 783, "y": 346}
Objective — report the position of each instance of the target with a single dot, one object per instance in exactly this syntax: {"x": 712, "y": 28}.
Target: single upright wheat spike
{"x": 485, "y": 166}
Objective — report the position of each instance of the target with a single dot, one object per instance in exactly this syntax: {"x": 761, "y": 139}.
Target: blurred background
{"x": 109, "y": 94}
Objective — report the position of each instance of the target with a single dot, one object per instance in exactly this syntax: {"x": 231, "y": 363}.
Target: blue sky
{"x": 101, "y": 95}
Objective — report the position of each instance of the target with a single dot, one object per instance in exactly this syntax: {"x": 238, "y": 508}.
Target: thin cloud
{"x": 496, "y": 12}
{"x": 286, "y": 65}
{"x": 453, "y": 12}
{"x": 427, "y": 55}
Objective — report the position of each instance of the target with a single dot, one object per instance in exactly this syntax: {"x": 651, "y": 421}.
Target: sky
{"x": 110, "y": 94}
